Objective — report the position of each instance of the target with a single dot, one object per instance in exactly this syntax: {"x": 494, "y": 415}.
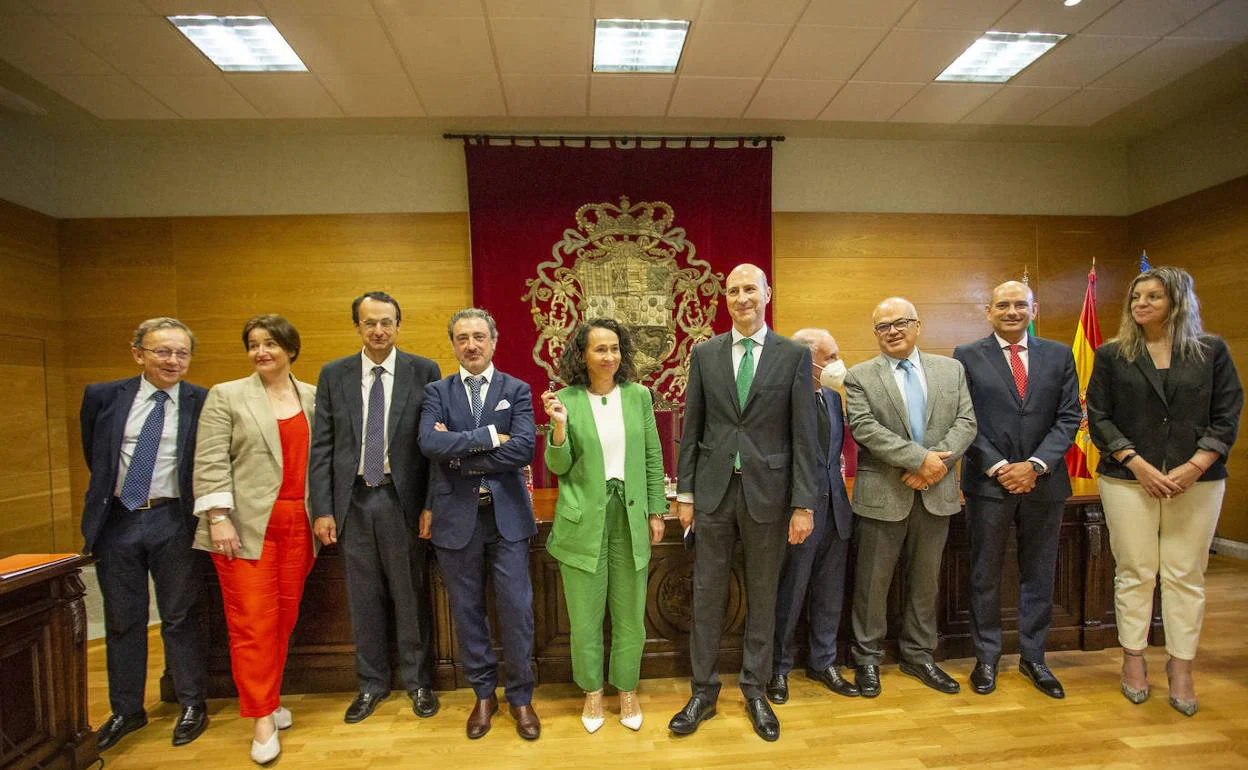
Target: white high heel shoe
{"x": 282, "y": 718}
{"x": 591, "y": 715}
{"x": 264, "y": 753}
{"x": 630, "y": 710}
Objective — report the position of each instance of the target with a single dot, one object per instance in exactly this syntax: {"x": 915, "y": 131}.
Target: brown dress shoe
{"x": 479, "y": 719}
{"x": 528, "y": 726}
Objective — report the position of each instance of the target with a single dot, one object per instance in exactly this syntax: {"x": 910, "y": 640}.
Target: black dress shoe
{"x": 931, "y": 675}
{"x": 778, "y": 689}
{"x": 424, "y": 702}
{"x": 696, "y": 711}
{"x": 1042, "y": 678}
{"x": 116, "y": 727}
{"x": 363, "y": 706}
{"x": 868, "y": 680}
{"x": 833, "y": 680}
{"x": 984, "y": 677}
{"x": 192, "y": 722}
{"x": 763, "y": 719}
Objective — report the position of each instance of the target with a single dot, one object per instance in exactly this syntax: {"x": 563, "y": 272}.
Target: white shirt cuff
{"x": 494, "y": 436}
{"x": 684, "y": 497}
{"x": 1043, "y": 464}
{"x": 993, "y": 470}
{"x": 213, "y": 501}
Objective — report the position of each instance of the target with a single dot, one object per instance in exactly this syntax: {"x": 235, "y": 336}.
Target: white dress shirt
{"x": 165, "y": 472}
{"x": 1022, "y": 354}
{"x": 609, "y": 420}
{"x": 488, "y": 374}
{"x": 387, "y": 386}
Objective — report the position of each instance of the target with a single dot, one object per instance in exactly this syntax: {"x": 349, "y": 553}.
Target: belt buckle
{"x": 485, "y": 498}
{"x": 146, "y": 506}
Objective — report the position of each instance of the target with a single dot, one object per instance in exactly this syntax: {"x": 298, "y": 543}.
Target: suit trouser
{"x": 616, "y": 582}
{"x": 1167, "y": 537}
{"x": 385, "y": 568}
{"x": 921, "y": 537}
{"x": 813, "y": 578}
{"x": 261, "y": 598}
{"x": 714, "y": 545}
{"x": 1037, "y": 525}
{"x": 132, "y": 544}
{"x": 465, "y": 570}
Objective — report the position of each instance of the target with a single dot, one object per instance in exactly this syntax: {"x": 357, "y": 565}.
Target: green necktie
{"x": 745, "y": 377}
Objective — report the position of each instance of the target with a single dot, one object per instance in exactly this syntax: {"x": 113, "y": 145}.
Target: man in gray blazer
{"x": 747, "y": 469}
{"x": 367, "y": 482}
{"x": 911, "y": 414}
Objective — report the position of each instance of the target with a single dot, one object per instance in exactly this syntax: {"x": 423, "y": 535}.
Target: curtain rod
{"x": 587, "y": 138}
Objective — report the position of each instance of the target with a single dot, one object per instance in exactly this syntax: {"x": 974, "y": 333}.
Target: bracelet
{"x": 1203, "y": 471}
{"x": 1123, "y": 462}
{"x": 220, "y": 517}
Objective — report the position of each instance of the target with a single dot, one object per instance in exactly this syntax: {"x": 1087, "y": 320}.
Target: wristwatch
{"x": 1039, "y": 469}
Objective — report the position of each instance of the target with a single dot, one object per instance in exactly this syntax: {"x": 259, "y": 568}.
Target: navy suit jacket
{"x": 105, "y": 407}
{"x": 453, "y": 493}
{"x": 831, "y": 491}
{"x": 1042, "y": 425}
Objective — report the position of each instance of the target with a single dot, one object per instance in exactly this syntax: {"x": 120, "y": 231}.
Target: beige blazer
{"x": 238, "y": 460}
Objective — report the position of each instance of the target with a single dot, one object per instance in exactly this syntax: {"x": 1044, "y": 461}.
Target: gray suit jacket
{"x": 775, "y": 432}
{"x": 878, "y": 422}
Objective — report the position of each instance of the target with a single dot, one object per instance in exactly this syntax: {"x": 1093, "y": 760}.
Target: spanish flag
{"x": 1082, "y": 458}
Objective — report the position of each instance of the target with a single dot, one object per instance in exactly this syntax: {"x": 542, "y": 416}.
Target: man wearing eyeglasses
{"x": 138, "y": 437}
{"x": 912, "y": 417}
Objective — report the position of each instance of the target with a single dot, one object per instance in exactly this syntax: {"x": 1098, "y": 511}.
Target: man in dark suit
{"x": 138, "y": 436}
{"x": 813, "y": 576}
{"x": 747, "y": 469}
{"x": 1026, "y": 396}
{"x": 367, "y": 483}
{"x": 911, "y": 415}
{"x": 477, "y": 425}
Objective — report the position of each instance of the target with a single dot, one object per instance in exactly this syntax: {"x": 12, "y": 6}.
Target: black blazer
{"x": 1042, "y": 425}
{"x": 831, "y": 498}
{"x": 337, "y": 437}
{"x": 1197, "y": 408}
{"x": 105, "y": 407}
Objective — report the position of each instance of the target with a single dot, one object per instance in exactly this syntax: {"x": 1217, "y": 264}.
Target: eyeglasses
{"x": 164, "y": 354}
{"x": 901, "y": 324}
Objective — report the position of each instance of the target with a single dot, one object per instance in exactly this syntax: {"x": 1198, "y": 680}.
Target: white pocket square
{"x": 504, "y": 404}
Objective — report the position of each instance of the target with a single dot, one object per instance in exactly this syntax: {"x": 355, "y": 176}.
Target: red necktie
{"x": 1020, "y": 371}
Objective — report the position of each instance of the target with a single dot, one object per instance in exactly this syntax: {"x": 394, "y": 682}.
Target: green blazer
{"x": 580, "y": 511}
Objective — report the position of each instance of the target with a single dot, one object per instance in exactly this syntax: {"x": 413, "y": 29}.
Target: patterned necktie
{"x": 375, "y": 432}
{"x": 1020, "y": 371}
{"x": 745, "y": 378}
{"x": 137, "y": 487}
{"x": 916, "y": 404}
{"x": 825, "y": 425}
{"x": 474, "y": 387}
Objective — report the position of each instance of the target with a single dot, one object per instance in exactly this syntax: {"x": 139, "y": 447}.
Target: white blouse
{"x": 609, "y": 419}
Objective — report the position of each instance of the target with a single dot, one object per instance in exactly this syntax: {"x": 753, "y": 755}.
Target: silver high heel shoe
{"x": 1185, "y": 707}
{"x": 1130, "y": 693}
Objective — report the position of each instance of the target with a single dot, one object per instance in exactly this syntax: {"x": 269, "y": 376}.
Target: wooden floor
{"x": 908, "y": 726}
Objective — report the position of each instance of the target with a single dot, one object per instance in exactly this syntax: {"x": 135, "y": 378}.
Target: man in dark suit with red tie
{"x": 138, "y": 437}
{"x": 1026, "y": 397}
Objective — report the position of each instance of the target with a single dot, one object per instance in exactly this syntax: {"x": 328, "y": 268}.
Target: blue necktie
{"x": 916, "y": 403}
{"x": 474, "y": 388}
{"x": 375, "y": 432}
{"x": 137, "y": 487}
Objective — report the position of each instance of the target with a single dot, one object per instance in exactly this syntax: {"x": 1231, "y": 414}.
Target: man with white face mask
{"x": 816, "y": 567}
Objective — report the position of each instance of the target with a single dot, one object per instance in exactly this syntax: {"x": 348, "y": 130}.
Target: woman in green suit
{"x": 604, "y": 447}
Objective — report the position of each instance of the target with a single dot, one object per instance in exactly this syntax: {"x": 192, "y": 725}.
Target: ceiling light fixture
{"x": 240, "y": 43}
{"x": 1071, "y": 3}
{"x": 998, "y": 56}
{"x": 638, "y": 45}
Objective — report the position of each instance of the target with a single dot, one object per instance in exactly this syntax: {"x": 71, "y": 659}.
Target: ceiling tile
{"x": 123, "y": 7}
{"x": 542, "y": 46}
{"x": 1081, "y": 59}
{"x": 461, "y": 9}
{"x": 792, "y": 99}
{"x": 340, "y": 45}
{"x": 318, "y": 7}
{"x": 111, "y": 97}
{"x": 869, "y": 101}
{"x": 285, "y": 94}
{"x": 461, "y": 96}
{"x": 206, "y": 97}
{"x": 630, "y": 95}
{"x": 1228, "y": 19}
{"x": 373, "y": 96}
{"x": 732, "y": 50}
{"x": 443, "y": 47}
{"x": 1148, "y": 17}
{"x": 825, "y": 53}
{"x": 855, "y": 13}
{"x": 546, "y": 95}
{"x": 914, "y": 56}
{"x": 1087, "y": 107}
{"x": 751, "y": 11}
{"x": 646, "y": 9}
{"x": 954, "y": 14}
{"x": 36, "y": 45}
{"x": 538, "y": 9}
{"x": 1016, "y": 105}
{"x": 1050, "y": 16}
{"x": 212, "y": 7}
{"x": 138, "y": 46}
{"x": 1168, "y": 59}
{"x": 944, "y": 102}
{"x": 702, "y": 97}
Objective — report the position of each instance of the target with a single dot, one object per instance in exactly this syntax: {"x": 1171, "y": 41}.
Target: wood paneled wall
{"x": 35, "y": 509}
{"x": 1206, "y": 233}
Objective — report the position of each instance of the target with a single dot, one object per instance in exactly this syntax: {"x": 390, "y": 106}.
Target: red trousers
{"x": 261, "y": 600}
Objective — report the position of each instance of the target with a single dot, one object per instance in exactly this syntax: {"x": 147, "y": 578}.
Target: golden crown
{"x": 599, "y": 220}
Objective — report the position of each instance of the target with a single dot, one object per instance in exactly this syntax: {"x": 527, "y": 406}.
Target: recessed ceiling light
{"x": 240, "y": 43}
{"x": 998, "y": 56}
{"x": 638, "y": 45}
{"x": 1071, "y": 3}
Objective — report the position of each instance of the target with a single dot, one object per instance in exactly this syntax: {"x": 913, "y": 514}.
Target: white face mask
{"x": 832, "y": 375}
